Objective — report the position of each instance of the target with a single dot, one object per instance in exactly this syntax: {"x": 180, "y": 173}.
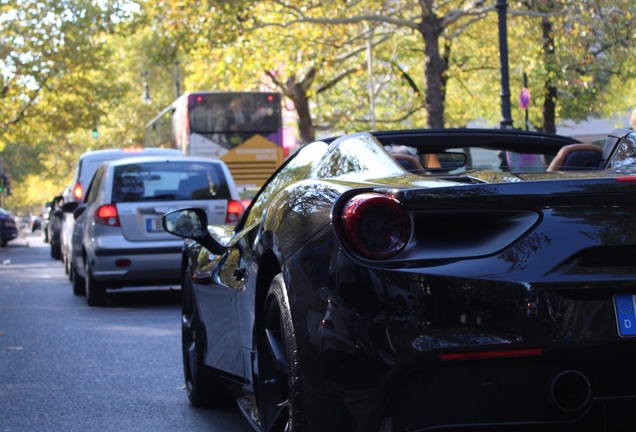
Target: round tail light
{"x": 375, "y": 226}
{"x": 107, "y": 215}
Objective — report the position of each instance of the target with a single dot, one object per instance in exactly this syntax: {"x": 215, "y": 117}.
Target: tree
{"x": 583, "y": 45}
{"x": 50, "y": 50}
{"x": 432, "y": 21}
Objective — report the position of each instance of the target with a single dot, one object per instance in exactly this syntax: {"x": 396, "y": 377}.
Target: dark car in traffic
{"x": 53, "y": 226}
{"x": 8, "y": 227}
{"x": 490, "y": 286}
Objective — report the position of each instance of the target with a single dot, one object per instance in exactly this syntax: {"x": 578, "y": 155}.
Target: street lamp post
{"x": 506, "y": 117}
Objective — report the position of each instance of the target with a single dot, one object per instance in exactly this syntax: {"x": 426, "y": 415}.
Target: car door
{"x": 217, "y": 290}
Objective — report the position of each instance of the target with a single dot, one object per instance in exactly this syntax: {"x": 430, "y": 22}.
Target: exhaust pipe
{"x": 568, "y": 391}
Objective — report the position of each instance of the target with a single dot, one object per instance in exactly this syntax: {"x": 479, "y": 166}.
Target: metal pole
{"x": 506, "y": 117}
{"x": 176, "y": 78}
{"x": 1, "y": 180}
{"x": 371, "y": 83}
{"x": 525, "y": 85}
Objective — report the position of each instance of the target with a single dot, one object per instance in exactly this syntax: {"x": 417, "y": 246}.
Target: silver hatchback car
{"x": 118, "y": 239}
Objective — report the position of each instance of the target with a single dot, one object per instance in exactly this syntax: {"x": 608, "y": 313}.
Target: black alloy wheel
{"x": 280, "y": 394}
{"x": 202, "y": 387}
{"x": 95, "y": 291}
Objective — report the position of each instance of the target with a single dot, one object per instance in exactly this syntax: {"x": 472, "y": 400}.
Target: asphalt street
{"x": 67, "y": 367}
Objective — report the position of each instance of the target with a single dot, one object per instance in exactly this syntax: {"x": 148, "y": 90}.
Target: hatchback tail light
{"x": 376, "y": 226}
{"x": 107, "y": 215}
{"x": 234, "y": 211}
{"x": 78, "y": 191}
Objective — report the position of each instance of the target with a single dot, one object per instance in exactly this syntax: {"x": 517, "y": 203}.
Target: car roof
{"x": 107, "y": 153}
{"x": 150, "y": 159}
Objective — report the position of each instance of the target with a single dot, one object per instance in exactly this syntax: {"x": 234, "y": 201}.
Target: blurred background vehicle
{"x": 8, "y": 227}
{"x": 118, "y": 238}
{"x": 53, "y": 226}
{"x": 35, "y": 223}
{"x": 46, "y": 210}
{"x": 85, "y": 168}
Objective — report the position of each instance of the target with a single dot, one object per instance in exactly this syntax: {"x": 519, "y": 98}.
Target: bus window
{"x": 244, "y": 129}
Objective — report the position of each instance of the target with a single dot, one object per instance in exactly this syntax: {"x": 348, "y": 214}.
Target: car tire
{"x": 56, "y": 251}
{"x": 201, "y": 385}
{"x": 79, "y": 284}
{"x": 67, "y": 270}
{"x": 70, "y": 270}
{"x": 95, "y": 291}
{"x": 3, "y": 243}
{"x": 280, "y": 395}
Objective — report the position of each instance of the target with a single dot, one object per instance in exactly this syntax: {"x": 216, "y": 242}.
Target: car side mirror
{"x": 69, "y": 207}
{"x": 192, "y": 223}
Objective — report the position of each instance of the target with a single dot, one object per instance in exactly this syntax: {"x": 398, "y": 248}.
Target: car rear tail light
{"x": 376, "y": 226}
{"x": 234, "y": 211}
{"x": 133, "y": 149}
{"x": 626, "y": 179}
{"x": 107, "y": 215}
{"x": 78, "y": 191}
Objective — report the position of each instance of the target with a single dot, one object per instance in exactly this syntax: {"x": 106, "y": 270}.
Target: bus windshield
{"x": 243, "y": 129}
{"x": 230, "y": 113}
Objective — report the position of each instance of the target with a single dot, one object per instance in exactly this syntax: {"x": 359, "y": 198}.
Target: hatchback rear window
{"x": 169, "y": 181}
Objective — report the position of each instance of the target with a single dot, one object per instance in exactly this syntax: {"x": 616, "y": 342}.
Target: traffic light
{"x": 94, "y": 133}
{"x": 6, "y": 184}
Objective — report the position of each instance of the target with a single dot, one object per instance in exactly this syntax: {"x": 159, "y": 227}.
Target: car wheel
{"x": 95, "y": 291}
{"x": 3, "y": 242}
{"x": 202, "y": 387}
{"x": 56, "y": 252}
{"x": 280, "y": 394}
{"x": 79, "y": 285}
{"x": 67, "y": 270}
{"x": 71, "y": 274}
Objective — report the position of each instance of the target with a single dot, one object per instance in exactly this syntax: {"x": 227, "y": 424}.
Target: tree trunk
{"x": 301, "y": 102}
{"x": 549, "y": 102}
{"x": 434, "y": 68}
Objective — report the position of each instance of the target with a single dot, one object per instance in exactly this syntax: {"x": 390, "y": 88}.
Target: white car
{"x": 118, "y": 239}
{"x": 85, "y": 169}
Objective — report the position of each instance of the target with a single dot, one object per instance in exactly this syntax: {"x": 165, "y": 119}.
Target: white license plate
{"x": 625, "y": 307}
{"x": 153, "y": 225}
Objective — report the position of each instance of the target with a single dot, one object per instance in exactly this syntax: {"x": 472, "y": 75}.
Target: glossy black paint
{"x": 504, "y": 294}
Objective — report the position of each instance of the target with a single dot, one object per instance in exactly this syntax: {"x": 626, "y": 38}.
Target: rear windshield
{"x": 169, "y": 181}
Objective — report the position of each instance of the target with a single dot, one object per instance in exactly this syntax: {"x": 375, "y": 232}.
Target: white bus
{"x": 243, "y": 129}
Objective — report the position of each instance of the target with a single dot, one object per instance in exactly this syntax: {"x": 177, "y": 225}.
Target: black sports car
{"x": 422, "y": 280}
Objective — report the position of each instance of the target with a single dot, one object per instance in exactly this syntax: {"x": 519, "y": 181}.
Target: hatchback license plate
{"x": 153, "y": 225}
{"x": 625, "y": 307}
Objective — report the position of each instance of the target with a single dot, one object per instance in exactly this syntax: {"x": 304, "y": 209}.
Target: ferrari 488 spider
{"x": 422, "y": 280}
